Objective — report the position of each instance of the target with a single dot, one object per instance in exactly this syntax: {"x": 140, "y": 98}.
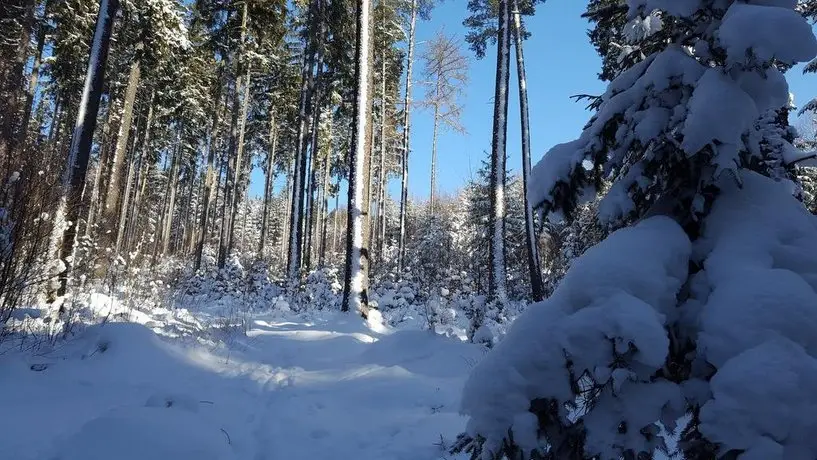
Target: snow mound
{"x": 758, "y": 320}
{"x": 616, "y": 294}
{"x": 146, "y": 433}
{"x": 764, "y": 402}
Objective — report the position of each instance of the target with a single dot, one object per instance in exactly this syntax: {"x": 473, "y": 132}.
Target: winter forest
{"x": 213, "y": 245}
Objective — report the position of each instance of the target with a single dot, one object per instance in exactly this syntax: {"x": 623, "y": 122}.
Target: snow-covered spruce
{"x": 702, "y": 312}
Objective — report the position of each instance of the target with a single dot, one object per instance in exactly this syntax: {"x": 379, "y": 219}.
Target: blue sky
{"x": 560, "y": 62}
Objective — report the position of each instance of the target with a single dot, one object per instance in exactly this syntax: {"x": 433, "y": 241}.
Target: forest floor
{"x": 182, "y": 385}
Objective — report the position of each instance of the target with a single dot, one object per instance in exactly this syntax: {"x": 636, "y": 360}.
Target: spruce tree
{"x": 644, "y": 332}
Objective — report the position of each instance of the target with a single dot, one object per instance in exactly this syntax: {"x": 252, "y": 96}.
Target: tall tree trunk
{"x": 209, "y": 178}
{"x": 285, "y": 240}
{"x": 112, "y": 197}
{"x": 182, "y": 238}
{"x": 269, "y": 179}
{"x": 215, "y": 222}
{"x": 381, "y": 181}
{"x": 336, "y": 223}
{"x": 12, "y": 70}
{"x": 73, "y": 179}
{"x": 401, "y": 251}
{"x": 97, "y": 197}
{"x": 534, "y": 268}
{"x": 299, "y": 174}
{"x": 325, "y": 208}
{"x": 497, "y": 291}
{"x": 128, "y": 211}
{"x": 432, "y": 194}
{"x": 172, "y": 185}
{"x": 370, "y": 180}
{"x": 239, "y": 173}
{"x": 33, "y": 81}
{"x": 314, "y": 157}
{"x": 233, "y": 162}
{"x": 133, "y": 164}
{"x": 356, "y": 279}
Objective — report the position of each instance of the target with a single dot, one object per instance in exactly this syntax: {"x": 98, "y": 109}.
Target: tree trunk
{"x": 370, "y": 178}
{"x": 73, "y": 179}
{"x": 381, "y": 182}
{"x": 133, "y": 164}
{"x": 496, "y": 280}
{"x": 434, "y": 157}
{"x": 356, "y": 279}
{"x": 112, "y": 197}
{"x": 172, "y": 185}
{"x": 233, "y": 162}
{"x": 269, "y": 178}
{"x": 401, "y": 251}
{"x": 313, "y": 170}
{"x": 299, "y": 174}
{"x": 325, "y": 209}
{"x": 99, "y": 188}
{"x": 336, "y": 223}
{"x": 238, "y": 182}
{"x": 32, "y": 88}
{"x": 129, "y": 212}
{"x": 12, "y": 71}
{"x": 534, "y": 268}
{"x": 209, "y": 178}
{"x": 289, "y": 194}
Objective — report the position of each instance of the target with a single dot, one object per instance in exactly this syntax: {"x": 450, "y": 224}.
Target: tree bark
{"x": 534, "y": 267}
{"x": 336, "y": 223}
{"x": 97, "y": 197}
{"x": 33, "y": 81}
{"x": 434, "y": 132}
{"x": 112, "y": 197}
{"x": 356, "y": 279}
{"x": 313, "y": 170}
{"x": 133, "y": 164}
{"x": 497, "y": 291}
{"x": 269, "y": 178}
{"x": 209, "y": 178}
{"x": 299, "y": 173}
{"x": 401, "y": 251}
{"x": 238, "y": 179}
{"x": 130, "y": 212}
{"x": 325, "y": 209}
{"x": 233, "y": 162}
{"x": 381, "y": 182}
{"x": 73, "y": 179}
{"x": 172, "y": 185}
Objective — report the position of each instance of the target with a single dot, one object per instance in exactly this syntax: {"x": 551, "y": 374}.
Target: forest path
{"x": 291, "y": 388}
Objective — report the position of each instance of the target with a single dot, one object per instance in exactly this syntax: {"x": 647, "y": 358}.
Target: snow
{"x": 615, "y": 293}
{"x": 764, "y": 402}
{"x": 777, "y": 33}
{"x": 715, "y": 100}
{"x": 292, "y": 387}
{"x": 758, "y": 319}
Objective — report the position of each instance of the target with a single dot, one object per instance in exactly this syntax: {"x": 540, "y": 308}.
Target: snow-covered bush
{"x": 702, "y": 311}
{"x": 320, "y": 291}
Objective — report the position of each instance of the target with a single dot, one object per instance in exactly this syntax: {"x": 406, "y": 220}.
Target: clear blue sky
{"x": 560, "y": 62}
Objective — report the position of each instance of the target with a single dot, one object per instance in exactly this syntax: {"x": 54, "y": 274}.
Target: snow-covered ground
{"x": 160, "y": 387}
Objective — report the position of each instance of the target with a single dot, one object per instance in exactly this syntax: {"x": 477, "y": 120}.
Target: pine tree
{"x": 693, "y": 153}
